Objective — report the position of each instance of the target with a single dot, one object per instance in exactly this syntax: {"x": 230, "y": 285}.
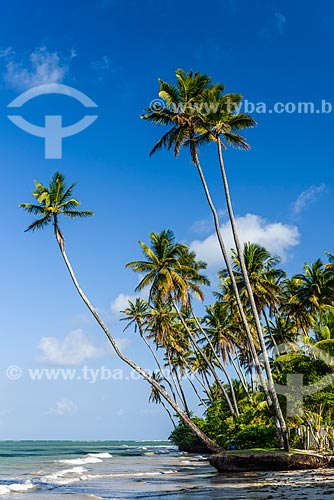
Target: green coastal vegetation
{"x": 262, "y": 333}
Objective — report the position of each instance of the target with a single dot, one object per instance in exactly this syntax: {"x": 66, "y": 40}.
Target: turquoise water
{"x": 75, "y": 470}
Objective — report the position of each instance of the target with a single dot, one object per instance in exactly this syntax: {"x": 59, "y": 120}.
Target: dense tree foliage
{"x": 209, "y": 354}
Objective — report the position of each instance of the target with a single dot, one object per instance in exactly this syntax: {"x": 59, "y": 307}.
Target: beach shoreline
{"x": 137, "y": 470}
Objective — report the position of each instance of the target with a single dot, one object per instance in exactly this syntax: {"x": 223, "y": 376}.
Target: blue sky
{"x": 114, "y": 51}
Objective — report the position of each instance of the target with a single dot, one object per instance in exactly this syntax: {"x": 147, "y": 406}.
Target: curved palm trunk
{"x": 239, "y": 249}
{"x": 221, "y": 365}
{"x": 156, "y": 359}
{"x": 207, "y": 382}
{"x": 240, "y": 368}
{"x": 266, "y": 319}
{"x": 168, "y": 413}
{"x": 201, "y": 382}
{"x": 206, "y": 359}
{"x": 195, "y": 390}
{"x": 212, "y": 446}
{"x": 241, "y": 377}
{"x": 231, "y": 275}
{"x": 176, "y": 383}
{"x": 184, "y": 399}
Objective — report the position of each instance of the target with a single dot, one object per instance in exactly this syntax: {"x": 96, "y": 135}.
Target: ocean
{"x": 72, "y": 470}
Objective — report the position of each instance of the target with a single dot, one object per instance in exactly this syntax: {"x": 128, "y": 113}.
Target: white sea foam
{"x": 16, "y": 487}
{"x": 130, "y": 474}
{"x": 82, "y": 461}
{"x": 65, "y": 476}
{"x": 100, "y": 455}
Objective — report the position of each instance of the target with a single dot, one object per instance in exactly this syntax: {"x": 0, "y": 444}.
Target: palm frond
{"x": 69, "y": 204}
{"x": 39, "y": 223}
{"x": 68, "y": 193}
{"x": 164, "y": 141}
{"x": 32, "y": 209}
{"x": 81, "y": 214}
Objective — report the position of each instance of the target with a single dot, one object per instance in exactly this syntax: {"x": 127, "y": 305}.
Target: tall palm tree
{"x": 223, "y": 124}
{"x": 55, "y": 200}
{"x": 189, "y": 127}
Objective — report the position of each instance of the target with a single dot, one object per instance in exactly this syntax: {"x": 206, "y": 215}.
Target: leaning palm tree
{"x": 188, "y": 113}
{"x": 53, "y": 201}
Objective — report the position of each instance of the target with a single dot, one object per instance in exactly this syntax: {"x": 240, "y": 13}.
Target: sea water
{"x": 75, "y": 470}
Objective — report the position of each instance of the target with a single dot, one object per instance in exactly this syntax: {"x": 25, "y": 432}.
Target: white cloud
{"x": 279, "y": 22}
{"x": 123, "y": 343}
{"x": 122, "y": 302}
{"x": 102, "y": 64}
{"x": 121, "y": 412}
{"x": 307, "y": 197}
{"x": 276, "y": 237}
{"x": 275, "y": 25}
{"x": 205, "y": 226}
{"x": 38, "y": 67}
{"x": 146, "y": 412}
{"x": 62, "y": 408}
{"x": 74, "y": 349}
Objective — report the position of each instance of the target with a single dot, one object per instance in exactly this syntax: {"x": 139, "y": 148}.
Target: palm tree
{"x": 55, "y": 200}
{"x": 172, "y": 275}
{"x": 190, "y": 127}
{"x": 138, "y": 313}
{"x": 222, "y": 126}
{"x": 265, "y": 278}
{"x": 218, "y": 332}
{"x": 292, "y": 308}
{"x": 315, "y": 287}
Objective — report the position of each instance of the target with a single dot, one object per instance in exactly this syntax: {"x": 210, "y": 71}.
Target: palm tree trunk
{"x": 201, "y": 382}
{"x": 239, "y": 249}
{"x": 142, "y": 335}
{"x": 210, "y": 392}
{"x": 195, "y": 389}
{"x": 266, "y": 319}
{"x": 206, "y": 359}
{"x": 240, "y": 368}
{"x": 176, "y": 383}
{"x": 168, "y": 413}
{"x": 184, "y": 399}
{"x": 221, "y": 365}
{"x": 241, "y": 377}
{"x": 212, "y": 446}
{"x": 231, "y": 275}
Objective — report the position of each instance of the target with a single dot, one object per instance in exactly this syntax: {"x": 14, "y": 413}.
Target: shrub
{"x": 257, "y": 436}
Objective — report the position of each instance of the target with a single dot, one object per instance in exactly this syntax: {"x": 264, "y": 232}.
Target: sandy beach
{"x": 310, "y": 485}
